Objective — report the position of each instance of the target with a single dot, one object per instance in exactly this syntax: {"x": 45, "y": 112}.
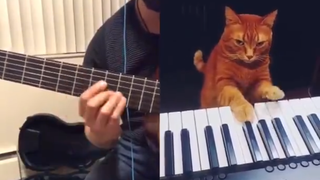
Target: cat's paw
{"x": 273, "y": 93}
{"x": 198, "y": 54}
{"x": 243, "y": 112}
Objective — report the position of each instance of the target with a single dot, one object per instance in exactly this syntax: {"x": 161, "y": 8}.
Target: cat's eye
{"x": 261, "y": 43}
{"x": 239, "y": 42}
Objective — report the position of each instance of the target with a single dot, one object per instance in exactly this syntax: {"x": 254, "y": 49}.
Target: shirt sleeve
{"x": 96, "y": 51}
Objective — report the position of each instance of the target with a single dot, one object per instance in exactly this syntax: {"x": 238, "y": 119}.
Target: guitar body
{"x": 47, "y": 143}
{"x": 151, "y": 121}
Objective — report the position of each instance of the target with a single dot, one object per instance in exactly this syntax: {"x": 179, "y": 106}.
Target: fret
{"x": 50, "y": 74}
{"x": 136, "y": 90}
{"x": 14, "y": 68}
{"x": 148, "y": 97}
{"x": 32, "y": 71}
{"x": 4, "y": 58}
{"x": 130, "y": 89}
{"x": 24, "y": 68}
{"x": 60, "y": 66}
{"x": 42, "y": 70}
{"x": 124, "y": 84}
{"x": 75, "y": 81}
{"x": 91, "y": 74}
{"x": 67, "y": 78}
{"x": 155, "y": 104}
{"x": 112, "y": 80}
{"x": 97, "y": 76}
{"x": 142, "y": 94}
{"x": 82, "y": 80}
{"x": 106, "y": 76}
{"x": 119, "y": 80}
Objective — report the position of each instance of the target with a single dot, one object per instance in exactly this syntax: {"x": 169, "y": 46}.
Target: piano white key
{"x": 275, "y": 112}
{"x": 262, "y": 148}
{"x": 262, "y": 113}
{"x": 227, "y": 118}
{"x": 164, "y": 126}
{"x": 188, "y": 123}
{"x": 316, "y": 101}
{"x": 288, "y": 113}
{"x": 201, "y": 122}
{"x": 242, "y": 140}
{"x": 309, "y": 106}
{"x": 299, "y": 109}
{"x": 215, "y": 122}
{"x": 175, "y": 126}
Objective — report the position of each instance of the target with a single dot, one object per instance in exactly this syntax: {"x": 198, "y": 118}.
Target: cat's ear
{"x": 231, "y": 16}
{"x": 269, "y": 19}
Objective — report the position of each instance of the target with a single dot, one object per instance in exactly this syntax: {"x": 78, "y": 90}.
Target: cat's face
{"x": 247, "y": 37}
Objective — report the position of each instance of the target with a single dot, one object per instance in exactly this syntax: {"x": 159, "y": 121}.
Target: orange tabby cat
{"x": 237, "y": 71}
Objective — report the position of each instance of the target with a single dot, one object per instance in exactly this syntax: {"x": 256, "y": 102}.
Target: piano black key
{"x": 305, "y": 134}
{"x": 212, "y": 151}
{"x": 267, "y": 140}
{"x": 231, "y": 156}
{"x": 186, "y": 151}
{"x": 315, "y": 122}
{"x": 283, "y": 138}
{"x": 252, "y": 142}
{"x": 168, "y": 153}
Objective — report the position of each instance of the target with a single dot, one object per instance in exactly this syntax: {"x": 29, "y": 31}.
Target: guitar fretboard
{"x": 142, "y": 94}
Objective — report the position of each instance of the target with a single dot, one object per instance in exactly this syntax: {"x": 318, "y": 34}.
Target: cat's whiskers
{"x": 262, "y": 58}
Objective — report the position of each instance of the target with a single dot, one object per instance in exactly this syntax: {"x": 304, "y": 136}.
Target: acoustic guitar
{"x": 142, "y": 94}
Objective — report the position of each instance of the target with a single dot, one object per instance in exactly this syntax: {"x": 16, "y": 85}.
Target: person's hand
{"x": 101, "y": 110}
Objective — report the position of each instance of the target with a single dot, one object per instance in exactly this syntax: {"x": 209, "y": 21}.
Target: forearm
{"x": 263, "y": 83}
{"x": 228, "y": 92}
{"x": 101, "y": 141}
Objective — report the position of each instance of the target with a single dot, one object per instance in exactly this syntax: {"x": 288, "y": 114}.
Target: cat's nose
{"x": 249, "y": 57}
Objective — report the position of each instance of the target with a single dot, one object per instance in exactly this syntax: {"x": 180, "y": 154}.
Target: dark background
{"x": 189, "y": 25}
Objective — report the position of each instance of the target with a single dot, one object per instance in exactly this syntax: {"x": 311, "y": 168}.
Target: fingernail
{"x": 102, "y": 84}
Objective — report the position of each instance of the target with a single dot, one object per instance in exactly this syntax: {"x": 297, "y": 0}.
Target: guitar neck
{"x": 142, "y": 94}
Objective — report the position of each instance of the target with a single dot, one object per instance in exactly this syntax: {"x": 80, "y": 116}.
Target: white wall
{"x": 42, "y": 27}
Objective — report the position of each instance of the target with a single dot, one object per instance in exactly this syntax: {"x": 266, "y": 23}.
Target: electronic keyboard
{"x": 282, "y": 142}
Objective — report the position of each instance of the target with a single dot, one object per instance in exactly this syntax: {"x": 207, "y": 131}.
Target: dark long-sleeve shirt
{"x": 106, "y": 51}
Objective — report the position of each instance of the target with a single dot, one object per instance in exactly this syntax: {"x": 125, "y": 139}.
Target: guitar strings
{"x": 93, "y": 75}
{"x": 72, "y": 82}
{"x": 135, "y": 97}
{"x": 25, "y": 79}
{"x": 59, "y": 63}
